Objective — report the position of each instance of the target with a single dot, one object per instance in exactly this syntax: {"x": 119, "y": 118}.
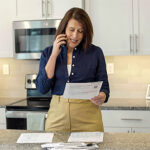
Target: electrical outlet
{"x": 110, "y": 68}
{"x": 6, "y": 69}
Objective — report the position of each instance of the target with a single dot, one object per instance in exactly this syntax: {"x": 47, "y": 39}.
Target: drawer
{"x": 126, "y": 118}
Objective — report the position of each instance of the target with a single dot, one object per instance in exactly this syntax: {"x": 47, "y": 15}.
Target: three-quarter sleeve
{"x": 101, "y": 73}
{"x": 43, "y": 83}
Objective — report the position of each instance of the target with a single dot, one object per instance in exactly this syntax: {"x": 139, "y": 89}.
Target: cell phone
{"x": 63, "y": 45}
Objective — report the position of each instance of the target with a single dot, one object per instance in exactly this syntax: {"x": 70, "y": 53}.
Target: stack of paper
{"x": 86, "y": 137}
{"x": 69, "y": 146}
{"x": 76, "y": 140}
{"x": 82, "y": 90}
{"x": 35, "y": 138}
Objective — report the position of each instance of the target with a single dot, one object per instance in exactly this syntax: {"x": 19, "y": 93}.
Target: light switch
{"x": 110, "y": 68}
{"x": 6, "y": 69}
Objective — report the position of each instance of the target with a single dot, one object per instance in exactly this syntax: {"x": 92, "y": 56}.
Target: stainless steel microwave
{"x": 31, "y": 37}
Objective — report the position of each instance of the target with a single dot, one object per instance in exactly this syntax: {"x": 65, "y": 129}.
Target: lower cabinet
{"x": 126, "y": 121}
{"x": 117, "y": 129}
{"x": 141, "y": 130}
{"x": 2, "y": 118}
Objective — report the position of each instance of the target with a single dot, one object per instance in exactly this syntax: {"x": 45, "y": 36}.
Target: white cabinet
{"x": 142, "y": 26}
{"x": 126, "y": 121}
{"x": 143, "y": 130}
{"x": 44, "y": 9}
{"x": 30, "y": 9}
{"x": 60, "y": 7}
{"x": 112, "y": 24}
{"x": 121, "y": 26}
{"x": 7, "y": 8}
{"x": 2, "y": 118}
{"x": 117, "y": 129}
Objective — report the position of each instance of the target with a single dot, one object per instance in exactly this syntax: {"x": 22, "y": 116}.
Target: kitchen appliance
{"x": 31, "y": 37}
{"x": 35, "y": 102}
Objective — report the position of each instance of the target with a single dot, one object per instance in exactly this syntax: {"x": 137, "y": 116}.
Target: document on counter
{"x": 96, "y": 137}
{"x": 35, "y": 137}
{"x": 70, "y": 146}
{"x": 82, "y": 90}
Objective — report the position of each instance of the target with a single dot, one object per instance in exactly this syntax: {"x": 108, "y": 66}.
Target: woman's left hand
{"x": 99, "y": 100}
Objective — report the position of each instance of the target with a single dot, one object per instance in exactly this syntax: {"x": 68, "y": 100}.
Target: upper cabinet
{"x": 112, "y": 24}
{"x": 121, "y": 27}
{"x": 142, "y": 26}
{"x": 12, "y": 10}
{"x": 7, "y": 8}
{"x": 44, "y": 9}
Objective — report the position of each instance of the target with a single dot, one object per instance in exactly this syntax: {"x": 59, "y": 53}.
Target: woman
{"x": 73, "y": 58}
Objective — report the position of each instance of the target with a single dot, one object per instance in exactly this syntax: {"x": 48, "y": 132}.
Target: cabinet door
{"x": 30, "y": 9}
{"x": 7, "y": 8}
{"x": 126, "y": 118}
{"x": 142, "y": 26}
{"x": 2, "y": 116}
{"x": 2, "y": 126}
{"x": 58, "y": 8}
{"x": 112, "y": 23}
{"x": 141, "y": 130}
{"x": 117, "y": 129}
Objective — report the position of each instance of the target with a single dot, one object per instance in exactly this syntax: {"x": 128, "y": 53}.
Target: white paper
{"x": 69, "y": 146}
{"x": 82, "y": 90}
{"x": 86, "y": 137}
{"x": 35, "y": 137}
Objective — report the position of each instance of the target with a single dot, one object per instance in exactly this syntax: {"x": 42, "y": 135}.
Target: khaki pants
{"x": 73, "y": 115}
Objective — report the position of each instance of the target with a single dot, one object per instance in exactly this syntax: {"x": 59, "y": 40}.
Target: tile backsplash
{"x": 131, "y": 76}
{"x": 130, "y": 79}
{"x": 13, "y": 85}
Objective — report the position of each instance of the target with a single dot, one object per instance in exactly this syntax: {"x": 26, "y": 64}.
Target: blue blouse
{"x": 86, "y": 67}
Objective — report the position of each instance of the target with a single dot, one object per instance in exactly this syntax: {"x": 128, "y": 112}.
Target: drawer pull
{"x": 134, "y": 119}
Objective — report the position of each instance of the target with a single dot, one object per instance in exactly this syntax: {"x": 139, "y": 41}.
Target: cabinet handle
{"x": 49, "y": 9}
{"x": 43, "y": 8}
{"x": 134, "y": 119}
{"x": 83, "y": 4}
{"x": 136, "y": 43}
{"x": 131, "y": 44}
{"x": 16, "y": 7}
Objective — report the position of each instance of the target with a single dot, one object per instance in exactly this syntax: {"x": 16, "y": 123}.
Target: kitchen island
{"x": 112, "y": 141}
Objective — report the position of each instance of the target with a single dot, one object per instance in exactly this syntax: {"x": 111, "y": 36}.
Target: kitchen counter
{"x": 7, "y": 100}
{"x": 112, "y": 141}
{"x": 126, "y": 104}
{"x": 113, "y": 104}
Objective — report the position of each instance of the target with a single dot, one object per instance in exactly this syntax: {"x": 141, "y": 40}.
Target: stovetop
{"x": 35, "y": 101}
{"x": 31, "y": 104}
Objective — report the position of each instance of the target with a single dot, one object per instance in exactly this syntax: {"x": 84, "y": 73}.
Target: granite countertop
{"x": 126, "y": 104}
{"x": 7, "y": 100}
{"x": 112, "y": 104}
{"x": 112, "y": 141}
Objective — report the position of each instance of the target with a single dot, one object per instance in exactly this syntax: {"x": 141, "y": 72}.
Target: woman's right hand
{"x": 60, "y": 39}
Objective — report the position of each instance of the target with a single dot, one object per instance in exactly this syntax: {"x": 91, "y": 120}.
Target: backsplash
{"x": 130, "y": 79}
{"x": 131, "y": 76}
{"x": 13, "y": 85}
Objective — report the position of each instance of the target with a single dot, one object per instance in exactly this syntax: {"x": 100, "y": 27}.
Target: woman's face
{"x": 74, "y": 32}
